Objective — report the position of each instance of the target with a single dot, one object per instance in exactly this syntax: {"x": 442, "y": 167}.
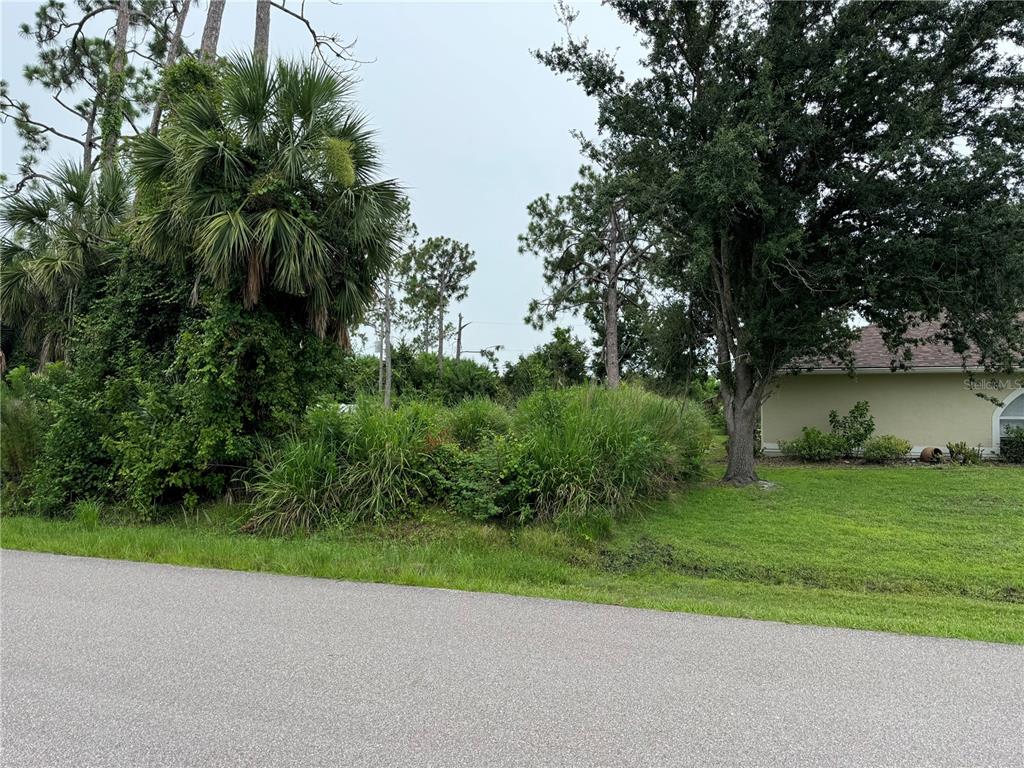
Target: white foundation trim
{"x": 772, "y": 449}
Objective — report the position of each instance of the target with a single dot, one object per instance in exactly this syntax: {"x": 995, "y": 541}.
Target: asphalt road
{"x": 116, "y": 663}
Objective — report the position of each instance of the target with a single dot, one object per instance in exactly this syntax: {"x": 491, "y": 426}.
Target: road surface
{"x": 128, "y": 664}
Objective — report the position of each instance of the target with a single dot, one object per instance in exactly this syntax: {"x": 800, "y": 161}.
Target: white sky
{"x": 468, "y": 121}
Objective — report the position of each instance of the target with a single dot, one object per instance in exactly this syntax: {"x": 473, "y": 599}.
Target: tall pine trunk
{"x": 113, "y": 112}
{"x": 440, "y": 336}
{"x": 172, "y": 56}
{"x": 261, "y": 39}
{"x": 211, "y": 30}
{"x": 387, "y": 344}
{"x": 90, "y": 136}
{"x": 611, "y": 302}
{"x": 611, "y": 327}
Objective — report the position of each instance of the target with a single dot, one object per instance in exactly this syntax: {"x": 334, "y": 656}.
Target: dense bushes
{"x": 571, "y": 455}
{"x": 388, "y": 458}
{"x": 815, "y": 445}
{"x": 415, "y": 377}
{"x": 173, "y": 420}
{"x": 25, "y": 417}
{"x": 850, "y": 436}
{"x": 581, "y": 452}
{"x": 1011, "y": 446}
{"x": 295, "y": 485}
{"x": 885, "y": 449}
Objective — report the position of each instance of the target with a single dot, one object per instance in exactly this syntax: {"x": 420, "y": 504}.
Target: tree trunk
{"x": 343, "y": 339}
{"x": 211, "y": 30}
{"x": 45, "y": 353}
{"x": 113, "y": 113}
{"x": 261, "y": 40}
{"x": 440, "y": 336}
{"x": 90, "y": 137}
{"x": 740, "y": 388}
{"x": 387, "y": 345}
{"x": 611, "y": 332}
{"x": 741, "y": 423}
{"x": 172, "y": 55}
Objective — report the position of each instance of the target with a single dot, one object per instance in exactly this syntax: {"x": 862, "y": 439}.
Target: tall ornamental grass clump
{"x": 369, "y": 464}
{"x": 388, "y": 456}
{"x": 295, "y": 485}
{"x": 579, "y": 455}
{"x": 586, "y": 452}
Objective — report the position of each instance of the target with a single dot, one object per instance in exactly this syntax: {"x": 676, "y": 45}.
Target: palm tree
{"x": 268, "y": 182}
{"x": 53, "y": 243}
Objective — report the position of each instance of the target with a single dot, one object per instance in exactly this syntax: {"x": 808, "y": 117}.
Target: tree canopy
{"x": 269, "y": 179}
{"x": 597, "y": 243}
{"x": 815, "y": 162}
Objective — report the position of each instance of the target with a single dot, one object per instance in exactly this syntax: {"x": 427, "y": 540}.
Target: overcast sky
{"x": 468, "y": 121}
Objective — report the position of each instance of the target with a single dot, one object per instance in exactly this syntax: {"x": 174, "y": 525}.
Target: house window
{"x": 1012, "y": 414}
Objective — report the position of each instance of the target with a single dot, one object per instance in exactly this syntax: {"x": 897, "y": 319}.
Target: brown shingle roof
{"x": 869, "y": 351}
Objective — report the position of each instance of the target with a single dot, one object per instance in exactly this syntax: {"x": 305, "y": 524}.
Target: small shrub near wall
{"x": 1011, "y": 446}
{"x": 855, "y": 428}
{"x": 886, "y": 449}
{"x": 962, "y": 453}
{"x": 815, "y": 445}
{"x": 848, "y": 436}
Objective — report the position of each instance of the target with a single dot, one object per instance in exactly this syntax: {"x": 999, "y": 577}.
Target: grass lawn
{"x": 923, "y": 550}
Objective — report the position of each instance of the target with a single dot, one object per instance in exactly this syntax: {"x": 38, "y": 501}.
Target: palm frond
{"x": 28, "y": 210}
{"x": 153, "y": 159}
{"x": 225, "y": 243}
{"x": 249, "y": 88}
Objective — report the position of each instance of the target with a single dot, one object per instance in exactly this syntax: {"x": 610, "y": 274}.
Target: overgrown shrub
{"x": 237, "y": 376}
{"x": 73, "y": 461}
{"x": 25, "y": 416}
{"x": 296, "y": 485}
{"x": 1011, "y": 445}
{"x": 471, "y": 422}
{"x": 586, "y": 452}
{"x": 885, "y": 449}
{"x": 961, "y": 453}
{"x": 815, "y": 445}
{"x": 388, "y": 457}
{"x": 855, "y": 428}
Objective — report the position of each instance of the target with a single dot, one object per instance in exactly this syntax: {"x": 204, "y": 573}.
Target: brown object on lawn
{"x": 931, "y": 455}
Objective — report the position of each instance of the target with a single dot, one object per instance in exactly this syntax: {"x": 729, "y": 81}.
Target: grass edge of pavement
{"x": 423, "y": 564}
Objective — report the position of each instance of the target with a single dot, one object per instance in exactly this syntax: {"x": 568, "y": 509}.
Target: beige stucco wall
{"x": 928, "y": 409}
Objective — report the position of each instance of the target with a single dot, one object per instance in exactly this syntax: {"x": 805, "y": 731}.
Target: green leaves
{"x": 225, "y": 244}
{"x": 271, "y": 176}
{"x": 57, "y": 237}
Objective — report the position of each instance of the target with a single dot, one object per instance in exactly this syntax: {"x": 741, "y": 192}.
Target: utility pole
{"x": 458, "y": 338}
{"x": 386, "y": 342}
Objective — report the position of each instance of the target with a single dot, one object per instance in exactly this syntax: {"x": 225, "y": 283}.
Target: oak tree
{"x": 816, "y": 162}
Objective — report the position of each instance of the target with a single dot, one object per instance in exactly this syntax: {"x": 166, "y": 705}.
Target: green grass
{"x": 922, "y": 550}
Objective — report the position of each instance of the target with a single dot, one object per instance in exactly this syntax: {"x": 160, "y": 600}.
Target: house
{"x": 935, "y": 401}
